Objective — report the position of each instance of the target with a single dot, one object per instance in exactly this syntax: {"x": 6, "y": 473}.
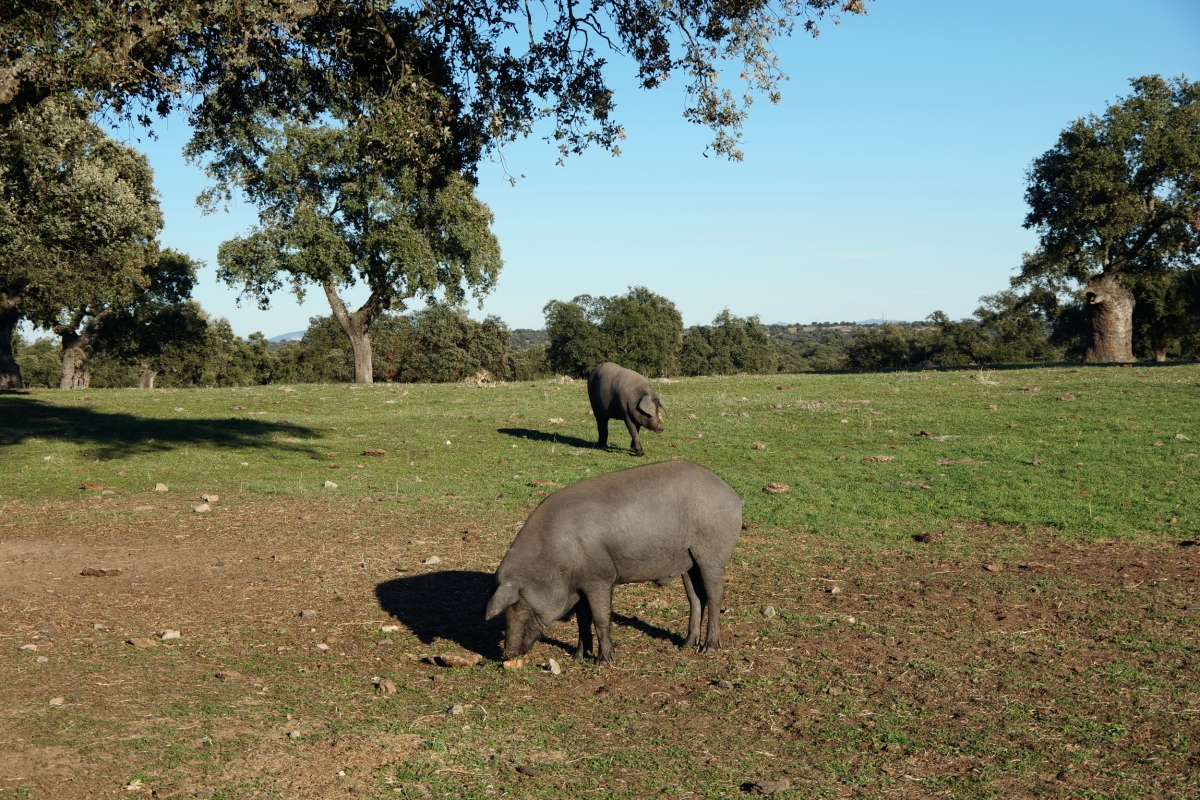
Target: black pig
{"x": 648, "y": 523}
{"x": 619, "y": 393}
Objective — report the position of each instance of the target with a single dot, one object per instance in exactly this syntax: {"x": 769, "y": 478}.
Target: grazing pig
{"x": 647, "y": 523}
{"x": 619, "y": 393}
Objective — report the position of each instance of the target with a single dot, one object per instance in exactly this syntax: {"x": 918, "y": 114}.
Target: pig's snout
{"x": 656, "y": 425}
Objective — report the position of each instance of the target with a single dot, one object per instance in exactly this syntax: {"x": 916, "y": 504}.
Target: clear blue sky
{"x": 889, "y": 180}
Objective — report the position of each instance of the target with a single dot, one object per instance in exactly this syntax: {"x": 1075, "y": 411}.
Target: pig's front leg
{"x": 599, "y": 600}
{"x": 583, "y": 615}
{"x": 636, "y": 442}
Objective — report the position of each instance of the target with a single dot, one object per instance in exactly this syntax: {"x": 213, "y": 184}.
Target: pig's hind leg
{"x": 696, "y": 599}
{"x": 583, "y": 615}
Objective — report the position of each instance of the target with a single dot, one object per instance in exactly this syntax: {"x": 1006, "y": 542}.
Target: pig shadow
{"x": 449, "y": 605}
{"x": 543, "y": 436}
{"x": 445, "y": 605}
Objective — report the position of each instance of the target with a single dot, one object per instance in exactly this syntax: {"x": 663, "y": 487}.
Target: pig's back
{"x": 642, "y": 520}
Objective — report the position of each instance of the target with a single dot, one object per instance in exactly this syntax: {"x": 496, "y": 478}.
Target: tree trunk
{"x": 1110, "y": 339}
{"x": 147, "y": 380}
{"x": 76, "y": 374}
{"x": 357, "y": 327}
{"x": 10, "y": 370}
{"x": 1158, "y": 341}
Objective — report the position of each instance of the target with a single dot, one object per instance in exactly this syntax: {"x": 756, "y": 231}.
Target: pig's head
{"x": 648, "y": 412}
{"x": 523, "y": 627}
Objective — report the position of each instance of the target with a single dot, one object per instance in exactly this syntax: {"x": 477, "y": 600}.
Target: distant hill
{"x": 524, "y": 338}
{"x": 294, "y": 336}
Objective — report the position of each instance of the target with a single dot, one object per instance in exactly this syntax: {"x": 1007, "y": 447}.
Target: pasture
{"x": 976, "y": 584}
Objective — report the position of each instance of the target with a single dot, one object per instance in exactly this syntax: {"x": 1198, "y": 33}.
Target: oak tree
{"x": 1118, "y": 195}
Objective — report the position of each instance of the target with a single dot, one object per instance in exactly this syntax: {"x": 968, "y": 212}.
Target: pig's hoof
{"x": 689, "y": 643}
{"x": 710, "y": 649}
{"x": 639, "y": 453}
{"x": 579, "y": 655}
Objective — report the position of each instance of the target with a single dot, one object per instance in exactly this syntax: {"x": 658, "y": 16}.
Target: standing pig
{"x": 647, "y": 523}
{"x": 619, "y": 393}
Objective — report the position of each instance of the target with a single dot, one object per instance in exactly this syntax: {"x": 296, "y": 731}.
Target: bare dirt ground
{"x": 986, "y": 661}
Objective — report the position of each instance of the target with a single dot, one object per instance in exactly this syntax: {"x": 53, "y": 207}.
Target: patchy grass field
{"x": 1014, "y": 615}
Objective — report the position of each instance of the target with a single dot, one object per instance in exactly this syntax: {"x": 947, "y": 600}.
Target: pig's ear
{"x": 658, "y": 400}
{"x": 505, "y": 595}
{"x": 646, "y": 405}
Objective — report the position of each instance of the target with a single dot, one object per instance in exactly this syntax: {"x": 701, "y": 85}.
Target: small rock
{"x": 203, "y": 508}
{"x": 1037, "y": 462}
{"x": 759, "y": 446}
{"x": 556, "y": 420}
{"x": 98, "y": 643}
{"x": 308, "y": 612}
{"x": 99, "y": 626}
{"x": 769, "y": 612}
{"x": 229, "y": 675}
{"x": 178, "y": 410}
{"x": 92, "y": 486}
{"x": 330, "y": 485}
{"x": 43, "y": 660}
{"x": 372, "y": 451}
{"x": 99, "y": 572}
{"x": 470, "y": 537}
{"x": 835, "y": 590}
{"x": 1182, "y": 438}
{"x": 691, "y": 416}
{"x": 170, "y": 634}
{"x": 723, "y": 684}
{"x": 771, "y": 787}
{"x": 323, "y": 647}
{"x": 774, "y": 487}
{"x": 878, "y": 459}
{"x": 57, "y": 701}
{"x": 141, "y": 642}
{"x": 306, "y": 516}
{"x": 108, "y": 491}
{"x": 514, "y": 663}
{"x": 850, "y": 620}
{"x": 553, "y": 667}
{"x": 456, "y": 710}
{"x": 933, "y": 537}
{"x": 210, "y": 498}
{"x": 431, "y": 561}
{"x": 30, "y": 647}
{"x": 161, "y": 487}
{"x": 529, "y": 771}
{"x": 390, "y": 628}
{"x": 994, "y": 567}
{"x": 294, "y": 734}
{"x": 833, "y": 691}
{"x": 387, "y": 686}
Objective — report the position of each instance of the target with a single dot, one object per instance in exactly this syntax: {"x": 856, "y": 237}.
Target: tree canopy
{"x": 78, "y": 221}
{"x": 1118, "y": 194}
{"x": 500, "y": 66}
{"x": 639, "y": 330}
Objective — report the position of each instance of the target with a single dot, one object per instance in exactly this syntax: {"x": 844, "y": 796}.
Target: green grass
{"x": 1100, "y": 472}
{"x": 1076, "y": 680}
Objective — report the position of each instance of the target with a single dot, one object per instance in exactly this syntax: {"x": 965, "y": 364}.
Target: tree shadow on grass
{"x": 116, "y": 435}
{"x": 449, "y": 605}
{"x": 543, "y": 436}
